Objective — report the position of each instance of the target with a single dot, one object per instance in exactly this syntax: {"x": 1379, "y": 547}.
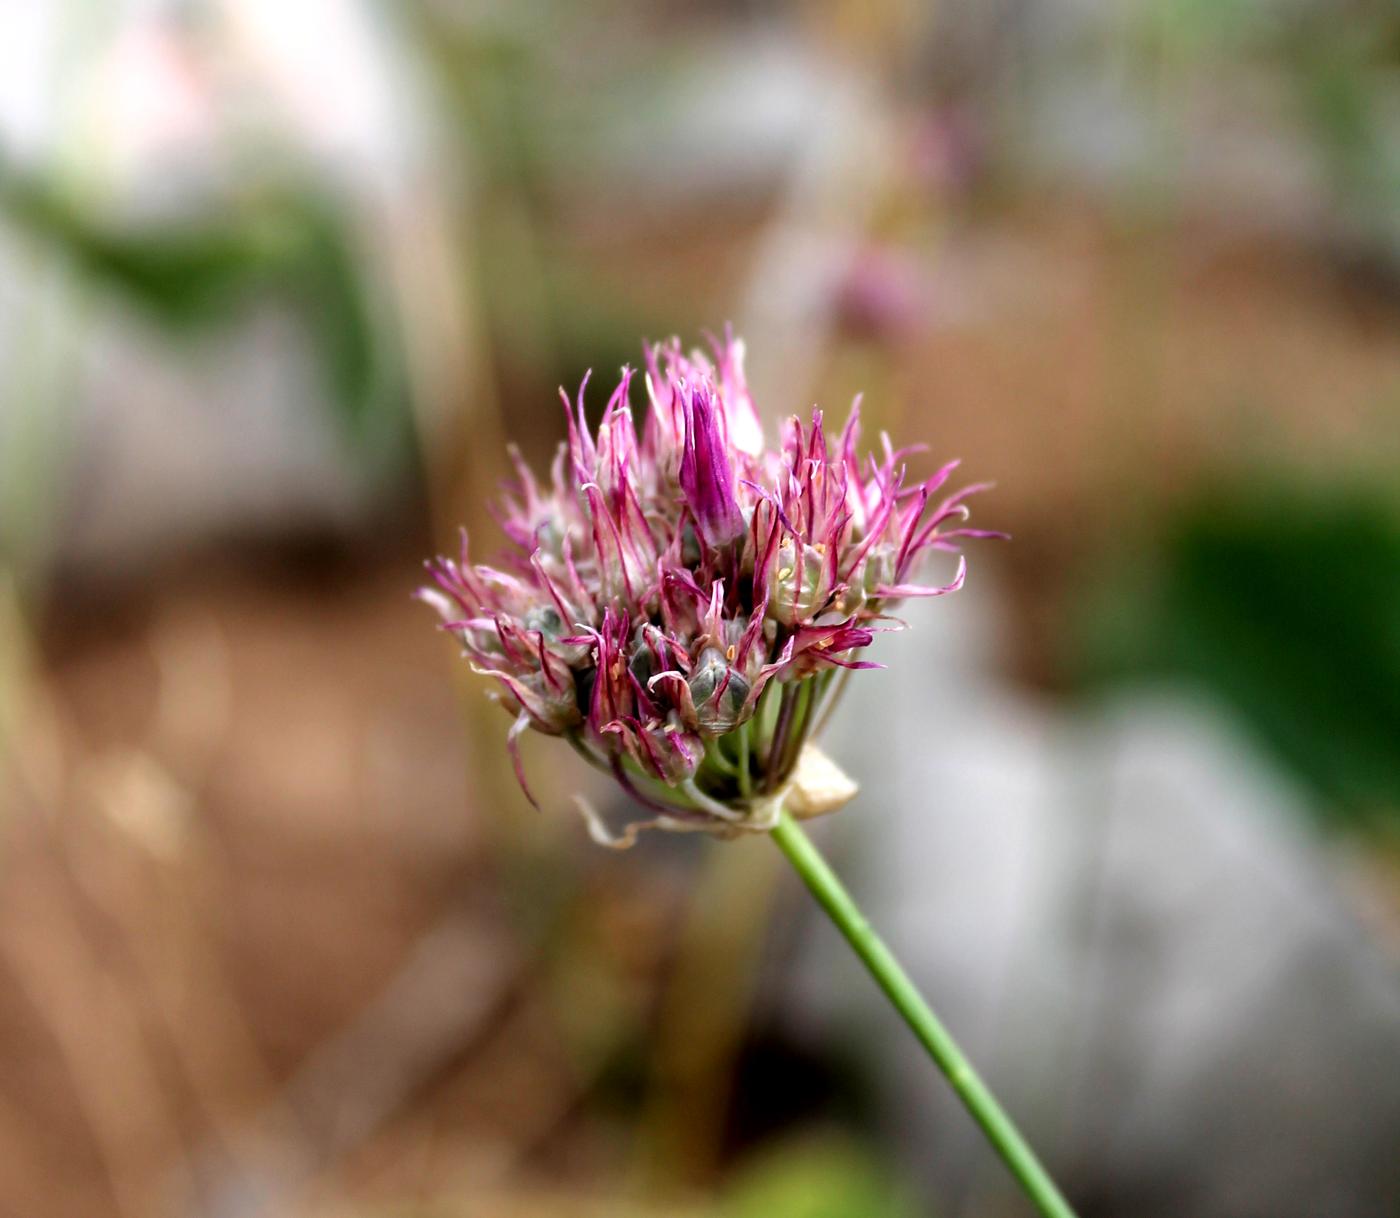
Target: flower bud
{"x": 707, "y": 477}
{"x": 647, "y": 657}
{"x": 545, "y": 619}
{"x": 548, "y": 698}
{"x": 719, "y": 692}
{"x": 668, "y": 751}
{"x": 801, "y": 586}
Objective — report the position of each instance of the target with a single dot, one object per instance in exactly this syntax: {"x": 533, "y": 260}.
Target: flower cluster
{"x": 676, "y": 600}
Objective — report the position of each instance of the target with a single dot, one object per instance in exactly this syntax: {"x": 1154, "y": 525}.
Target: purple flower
{"x": 677, "y": 601}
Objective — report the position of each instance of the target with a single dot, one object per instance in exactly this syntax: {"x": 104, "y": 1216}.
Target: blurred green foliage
{"x": 1285, "y": 603}
{"x": 1337, "y": 65}
{"x": 1345, "y": 78}
{"x": 290, "y": 244}
{"x": 816, "y": 1179}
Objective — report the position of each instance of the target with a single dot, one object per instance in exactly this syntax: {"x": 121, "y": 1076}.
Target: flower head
{"x": 676, "y": 600}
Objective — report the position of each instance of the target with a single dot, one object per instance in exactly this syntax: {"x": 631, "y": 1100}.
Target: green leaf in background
{"x": 1287, "y": 605}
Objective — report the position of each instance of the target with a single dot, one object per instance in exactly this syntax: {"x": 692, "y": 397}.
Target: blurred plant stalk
{"x": 704, "y": 1009}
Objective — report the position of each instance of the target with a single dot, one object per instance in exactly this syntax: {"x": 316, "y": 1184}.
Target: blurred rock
{"x": 1128, "y": 921}
{"x": 227, "y": 273}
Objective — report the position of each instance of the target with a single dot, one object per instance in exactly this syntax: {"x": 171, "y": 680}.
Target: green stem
{"x": 980, "y": 1102}
{"x": 745, "y": 774}
{"x": 714, "y": 755}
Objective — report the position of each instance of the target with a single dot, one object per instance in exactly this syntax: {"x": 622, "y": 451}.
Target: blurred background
{"x": 279, "y": 934}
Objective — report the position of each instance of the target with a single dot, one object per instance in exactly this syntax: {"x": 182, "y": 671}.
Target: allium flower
{"x": 676, "y": 601}
{"x": 676, "y": 604}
